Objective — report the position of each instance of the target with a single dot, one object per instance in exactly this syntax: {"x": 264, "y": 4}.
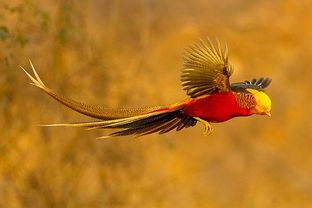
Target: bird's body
{"x": 214, "y": 108}
{"x": 205, "y": 77}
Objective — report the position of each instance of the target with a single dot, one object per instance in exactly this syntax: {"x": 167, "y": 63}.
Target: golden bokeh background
{"x": 128, "y": 53}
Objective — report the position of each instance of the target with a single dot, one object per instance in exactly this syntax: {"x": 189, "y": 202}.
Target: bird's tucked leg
{"x": 208, "y": 127}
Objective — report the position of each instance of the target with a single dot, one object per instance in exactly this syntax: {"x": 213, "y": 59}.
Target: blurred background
{"x": 128, "y": 53}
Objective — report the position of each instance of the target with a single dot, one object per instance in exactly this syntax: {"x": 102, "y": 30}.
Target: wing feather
{"x": 257, "y": 84}
{"x": 206, "y": 68}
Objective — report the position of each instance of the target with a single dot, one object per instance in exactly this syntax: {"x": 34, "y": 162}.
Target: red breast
{"x": 217, "y": 107}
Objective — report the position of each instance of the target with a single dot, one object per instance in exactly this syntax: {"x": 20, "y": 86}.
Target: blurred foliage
{"x": 4, "y": 33}
{"x": 127, "y": 53}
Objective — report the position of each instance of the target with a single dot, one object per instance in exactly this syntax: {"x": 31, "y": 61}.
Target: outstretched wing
{"x": 206, "y": 69}
{"x": 257, "y": 84}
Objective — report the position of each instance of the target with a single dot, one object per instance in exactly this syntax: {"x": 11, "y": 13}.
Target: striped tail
{"x": 88, "y": 110}
{"x": 131, "y": 121}
{"x": 161, "y": 122}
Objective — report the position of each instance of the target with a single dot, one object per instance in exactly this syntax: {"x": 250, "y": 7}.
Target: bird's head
{"x": 263, "y": 102}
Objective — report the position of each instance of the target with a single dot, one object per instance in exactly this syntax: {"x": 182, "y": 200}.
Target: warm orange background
{"x": 128, "y": 53}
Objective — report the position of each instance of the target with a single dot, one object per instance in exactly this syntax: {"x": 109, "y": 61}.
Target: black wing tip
{"x": 257, "y": 84}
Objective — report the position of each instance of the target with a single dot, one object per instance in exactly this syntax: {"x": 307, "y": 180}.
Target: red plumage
{"x": 214, "y": 108}
{"x": 217, "y": 107}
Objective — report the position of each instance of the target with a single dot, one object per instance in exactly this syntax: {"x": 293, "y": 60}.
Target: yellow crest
{"x": 263, "y": 101}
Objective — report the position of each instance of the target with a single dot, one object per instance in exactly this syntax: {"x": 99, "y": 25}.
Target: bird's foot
{"x": 208, "y": 129}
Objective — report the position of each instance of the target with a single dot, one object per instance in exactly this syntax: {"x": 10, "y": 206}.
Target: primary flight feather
{"x": 205, "y": 78}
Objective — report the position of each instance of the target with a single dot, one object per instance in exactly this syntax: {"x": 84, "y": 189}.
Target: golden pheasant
{"x": 205, "y": 77}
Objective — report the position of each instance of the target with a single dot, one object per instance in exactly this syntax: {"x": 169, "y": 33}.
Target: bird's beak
{"x": 268, "y": 114}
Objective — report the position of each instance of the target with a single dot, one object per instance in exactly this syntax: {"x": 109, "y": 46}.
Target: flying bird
{"x": 212, "y": 98}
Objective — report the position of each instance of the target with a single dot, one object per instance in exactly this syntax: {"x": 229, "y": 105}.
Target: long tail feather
{"x": 138, "y": 122}
{"x": 116, "y": 123}
{"x": 92, "y": 111}
{"x": 160, "y": 121}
